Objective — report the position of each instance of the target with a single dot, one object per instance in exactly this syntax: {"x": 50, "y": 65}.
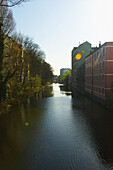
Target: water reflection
{"x": 57, "y": 92}
{"x": 48, "y": 92}
{"x": 100, "y": 123}
{"x": 63, "y": 133}
{"x": 64, "y": 90}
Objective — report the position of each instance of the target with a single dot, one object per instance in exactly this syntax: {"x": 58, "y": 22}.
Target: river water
{"x": 57, "y": 133}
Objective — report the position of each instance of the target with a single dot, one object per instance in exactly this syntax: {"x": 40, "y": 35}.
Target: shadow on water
{"x": 100, "y": 122}
{"x": 64, "y": 90}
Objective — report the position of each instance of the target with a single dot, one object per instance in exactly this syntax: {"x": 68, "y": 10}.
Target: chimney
{"x": 99, "y": 43}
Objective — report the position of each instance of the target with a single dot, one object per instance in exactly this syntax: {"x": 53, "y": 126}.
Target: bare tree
{"x": 11, "y": 3}
{"x": 8, "y": 23}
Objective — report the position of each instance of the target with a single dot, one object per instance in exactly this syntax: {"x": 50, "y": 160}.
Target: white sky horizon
{"x": 58, "y": 26}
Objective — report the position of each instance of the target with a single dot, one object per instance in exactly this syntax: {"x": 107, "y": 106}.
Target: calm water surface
{"x": 61, "y": 133}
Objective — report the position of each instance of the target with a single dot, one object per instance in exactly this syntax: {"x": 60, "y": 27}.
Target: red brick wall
{"x": 88, "y": 74}
{"x": 99, "y": 71}
{"x": 109, "y": 67}
{"x": 95, "y": 76}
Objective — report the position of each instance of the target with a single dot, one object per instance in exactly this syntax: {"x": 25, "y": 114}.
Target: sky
{"x": 59, "y": 25}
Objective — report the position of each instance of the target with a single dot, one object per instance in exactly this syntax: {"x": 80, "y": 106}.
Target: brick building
{"x": 99, "y": 71}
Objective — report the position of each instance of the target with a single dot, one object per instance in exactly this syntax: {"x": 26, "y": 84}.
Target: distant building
{"x": 63, "y": 70}
{"x": 78, "y": 65}
{"x": 99, "y": 71}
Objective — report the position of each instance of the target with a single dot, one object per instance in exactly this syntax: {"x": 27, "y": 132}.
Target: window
{"x": 97, "y": 89}
{"x": 103, "y": 51}
{"x": 94, "y": 88}
{"x": 99, "y": 78}
{"x": 103, "y": 65}
{"x": 99, "y": 66}
{"x": 100, "y": 54}
{"x": 102, "y": 90}
{"x": 97, "y": 54}
{"x": 103, "y": 77}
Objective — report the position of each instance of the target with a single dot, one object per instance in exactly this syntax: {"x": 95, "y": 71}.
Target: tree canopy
{"x": 23, "y": 69}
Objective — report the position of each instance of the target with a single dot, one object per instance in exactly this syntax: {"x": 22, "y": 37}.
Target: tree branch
{"x": 11, "y": 3}
{"x": 8, "y": 76}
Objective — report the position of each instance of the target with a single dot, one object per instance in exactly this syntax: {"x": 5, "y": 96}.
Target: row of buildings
{"x": 92, "y": 69}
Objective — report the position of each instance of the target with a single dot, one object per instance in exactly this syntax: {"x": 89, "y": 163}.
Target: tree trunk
{"x": 2, "y": 87}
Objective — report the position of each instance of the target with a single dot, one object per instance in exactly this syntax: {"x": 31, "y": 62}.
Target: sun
{"x": 78, "y": 56}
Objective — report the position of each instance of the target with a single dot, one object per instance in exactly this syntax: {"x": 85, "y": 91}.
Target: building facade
{"x": 99, "y": 71}
{"x": 78, "y": 65}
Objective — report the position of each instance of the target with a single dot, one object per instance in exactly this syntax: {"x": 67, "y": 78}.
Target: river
{"x": 57, "y": 133}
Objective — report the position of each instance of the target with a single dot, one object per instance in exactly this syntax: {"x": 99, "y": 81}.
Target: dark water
{"x": 61, "y": 133}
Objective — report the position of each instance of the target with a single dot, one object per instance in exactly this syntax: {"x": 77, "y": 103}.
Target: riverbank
{"x": 8, "y": 106}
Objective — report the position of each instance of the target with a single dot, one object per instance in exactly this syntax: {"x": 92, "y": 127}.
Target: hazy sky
{"x": 59, "y": 25}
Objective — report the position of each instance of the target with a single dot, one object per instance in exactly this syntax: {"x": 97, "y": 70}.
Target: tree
{"x": 65, "y": 78}
{"x": 38, "y": 66}
{"x": 8, "y": 23}
{"x": 11, "y": 3}
{"x": 6, "y": 28}
{"x": 46, "y": 73}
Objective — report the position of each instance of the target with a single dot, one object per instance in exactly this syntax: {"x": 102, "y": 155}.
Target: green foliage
{"x": 64, "y": 76}
{"x": 24, "y": 72}
{"x": 5, "y": 107}
{"x": 19, "y": 92}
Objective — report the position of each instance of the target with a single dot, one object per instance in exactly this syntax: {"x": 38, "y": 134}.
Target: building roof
{"x": 97, "y": 48}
